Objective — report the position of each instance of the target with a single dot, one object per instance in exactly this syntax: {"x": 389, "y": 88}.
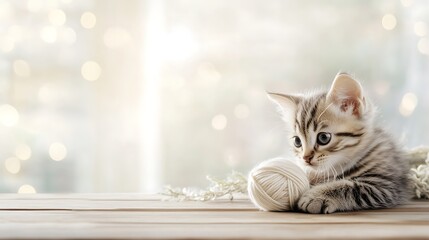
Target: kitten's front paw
{"x": 314, "y": 202}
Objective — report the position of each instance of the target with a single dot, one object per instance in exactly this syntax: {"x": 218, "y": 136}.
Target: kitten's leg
{"x": 346, "y": 195}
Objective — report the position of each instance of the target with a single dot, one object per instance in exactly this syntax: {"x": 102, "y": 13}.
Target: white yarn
{"x": 276, "y": 184}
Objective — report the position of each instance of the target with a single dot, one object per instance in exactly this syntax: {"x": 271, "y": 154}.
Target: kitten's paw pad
{"x": 313, "y": 204}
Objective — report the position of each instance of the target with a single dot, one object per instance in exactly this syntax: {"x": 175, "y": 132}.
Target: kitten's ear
{"x": 287, "y": 104}
{"x": 347, "y": 94}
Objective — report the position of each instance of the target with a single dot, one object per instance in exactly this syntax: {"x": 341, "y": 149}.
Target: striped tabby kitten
{"x": 351, "y": 163}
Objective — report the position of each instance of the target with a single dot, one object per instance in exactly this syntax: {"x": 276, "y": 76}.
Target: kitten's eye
{"x": 323, "y": 138}
{"x": 297, "y": 142}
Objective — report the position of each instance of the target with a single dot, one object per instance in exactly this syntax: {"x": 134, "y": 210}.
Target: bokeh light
{"x": 57, "y": 17}
{"x": 91, "y": 71}
{"x": 9, "y": 116}
{"x": 232, "y": 158}
{"x": 49, "y": 34}
{"x": 88, "y": 20}
{"x": 408, "y": 104}
{"x": 388, "y": 21}
{"x": 219, "y": 122}
{"x": 26, "y": 189}
{"x": 57, "y": 151}
{"x": 381, "y": 87}
{"x": 420, "y": 29}
{"x": 12, "y": 165}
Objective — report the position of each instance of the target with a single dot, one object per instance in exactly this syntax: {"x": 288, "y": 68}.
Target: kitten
{"x": 351, "y": 163}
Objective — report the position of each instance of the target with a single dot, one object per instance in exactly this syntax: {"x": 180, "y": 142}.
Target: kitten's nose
{"x": 307, "y": 158}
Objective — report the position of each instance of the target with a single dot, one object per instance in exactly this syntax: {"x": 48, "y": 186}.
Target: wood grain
{"x": 137, "y": 216}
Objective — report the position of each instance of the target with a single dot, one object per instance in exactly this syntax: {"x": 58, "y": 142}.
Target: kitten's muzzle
{"x": 307, "y": 158}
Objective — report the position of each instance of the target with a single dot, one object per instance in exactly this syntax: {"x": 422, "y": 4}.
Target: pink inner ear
{"x": 348, "y": 103}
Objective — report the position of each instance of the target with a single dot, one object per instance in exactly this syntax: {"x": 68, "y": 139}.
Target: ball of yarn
{"x": 276, "y": 185}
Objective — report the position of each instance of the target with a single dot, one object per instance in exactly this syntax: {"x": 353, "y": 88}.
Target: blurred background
{"x": 129, "y": 96}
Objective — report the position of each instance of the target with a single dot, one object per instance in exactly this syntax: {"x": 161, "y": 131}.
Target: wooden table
{"x": 136, "y": 216}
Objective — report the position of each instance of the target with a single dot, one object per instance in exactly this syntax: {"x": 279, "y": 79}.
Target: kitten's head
{"x": 328, "y": 128}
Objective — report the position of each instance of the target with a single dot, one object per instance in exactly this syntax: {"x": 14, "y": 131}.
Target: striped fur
{"x": 360, "y": 168}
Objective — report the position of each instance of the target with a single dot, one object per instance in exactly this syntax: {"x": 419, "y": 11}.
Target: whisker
{"x": 324, "y": 111}
{"x": 342, "y": 172}
{"x": 331, "y": 169}
{"x": 317, "y": 174}
{"x": 324, "y": 174}
{"x": 334, "y": 171}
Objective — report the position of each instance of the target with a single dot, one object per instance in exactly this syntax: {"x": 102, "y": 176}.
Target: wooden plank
{"x": 209, "y": 217}
{"x": 77, "y": 204}
{"x": 211, "y": 231}
{"x": 139, "y": 216}
{"x": 85, "y": 196}
{"x": 99, "y": 196}
{"x": 139, "y": 202}
{"x": 114, "y": 201}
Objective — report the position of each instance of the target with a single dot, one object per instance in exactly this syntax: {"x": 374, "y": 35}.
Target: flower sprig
{"x": 235, "y": 183}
